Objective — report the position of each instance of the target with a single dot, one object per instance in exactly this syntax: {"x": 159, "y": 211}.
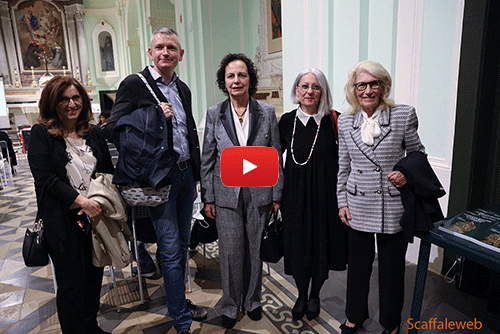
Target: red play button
{"x": 249, "y": 166}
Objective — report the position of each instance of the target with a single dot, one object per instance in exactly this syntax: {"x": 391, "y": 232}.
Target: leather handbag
{"x": 35, "y": 252}
{"x": 271, "y": 246}
{"x": 207, "y": 231}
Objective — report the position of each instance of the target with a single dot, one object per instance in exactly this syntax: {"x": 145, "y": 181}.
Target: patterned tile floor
{"x": 27, "y": 300}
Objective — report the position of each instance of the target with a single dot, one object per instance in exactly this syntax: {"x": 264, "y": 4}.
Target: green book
{"x": 479, "y": 226}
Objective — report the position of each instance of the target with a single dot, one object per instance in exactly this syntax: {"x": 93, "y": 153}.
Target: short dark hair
{"x": 252, "y": 72}
{"x": 50, "y": 98}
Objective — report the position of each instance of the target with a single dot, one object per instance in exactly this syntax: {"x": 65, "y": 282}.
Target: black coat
{"x": 47, "y": 159}
{"x": 420, "y": 195}
{"x": 133, "y": 94}
{"x": 4, "y": 136}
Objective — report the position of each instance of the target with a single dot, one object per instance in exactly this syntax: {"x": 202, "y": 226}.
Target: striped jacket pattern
{"x": 374, "y": 203}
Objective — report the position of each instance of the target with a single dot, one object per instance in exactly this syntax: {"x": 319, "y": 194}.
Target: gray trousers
{"x": 240, "y": 232}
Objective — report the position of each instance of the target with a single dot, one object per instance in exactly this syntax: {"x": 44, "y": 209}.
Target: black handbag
{"x": 271, "y": 245}
{"x": 207, "y": 230}
{"x": 35, "y": 252}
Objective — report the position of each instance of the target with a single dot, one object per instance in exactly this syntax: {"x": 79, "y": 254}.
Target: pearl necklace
{"x": 312, "y": 147}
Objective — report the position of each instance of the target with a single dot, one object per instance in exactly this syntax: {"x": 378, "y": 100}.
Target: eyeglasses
{"x": 305, "y": 87}
{"x": 77, "y": 99}
{"x": 361, "y": 86}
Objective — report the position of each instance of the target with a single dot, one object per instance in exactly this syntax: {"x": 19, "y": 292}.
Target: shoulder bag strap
{"x": 333, "y": 117}
{"x": 149, "y": 87}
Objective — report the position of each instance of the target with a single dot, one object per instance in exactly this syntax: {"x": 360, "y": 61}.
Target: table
{"x": 484, "y": 256}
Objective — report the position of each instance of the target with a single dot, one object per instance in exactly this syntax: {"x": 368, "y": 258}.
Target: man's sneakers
{"x": 147, "y": 272}
{"x": 197, "y": 313}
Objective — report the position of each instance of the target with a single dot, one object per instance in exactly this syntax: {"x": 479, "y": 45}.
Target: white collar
{"x": 157, "y": 75}
{"x": 304, "y": 118}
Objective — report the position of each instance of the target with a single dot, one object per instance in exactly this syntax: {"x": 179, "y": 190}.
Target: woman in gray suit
{"x": 240, "y": 212}
{"x": 373, "y": 136}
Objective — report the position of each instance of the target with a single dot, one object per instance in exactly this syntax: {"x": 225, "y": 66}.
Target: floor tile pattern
{"x": 27, "y": 300}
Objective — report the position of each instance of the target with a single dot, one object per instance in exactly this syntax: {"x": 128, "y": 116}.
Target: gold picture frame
{"x": 274, "y": 26}
{"x": 39, "y": 28}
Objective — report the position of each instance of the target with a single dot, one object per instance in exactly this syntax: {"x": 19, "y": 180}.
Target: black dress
{"x": 314, "y": 237}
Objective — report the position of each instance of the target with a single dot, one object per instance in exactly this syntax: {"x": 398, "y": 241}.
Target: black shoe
{"x": 349, "y": 330}
{"x": 148, "y": 272}
{"x": 197, "y": 313}
{"x": 228, "y": 322}
{"x": 299, "y": 309}
{"x": 312, "y": 308}
{"x": 389, "y": 332}
{"x": 255, "y": 314}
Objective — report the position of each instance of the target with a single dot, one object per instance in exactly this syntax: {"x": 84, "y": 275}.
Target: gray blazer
{"x": 374, "y": 203}
{"x": 219, "y": 134}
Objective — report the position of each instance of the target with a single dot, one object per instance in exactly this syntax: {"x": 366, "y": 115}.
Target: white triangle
{"x": 248, "y": 166}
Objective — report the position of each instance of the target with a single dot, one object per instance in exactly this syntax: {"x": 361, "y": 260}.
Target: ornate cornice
{"x": 131, "y": 43}
{"x": 161, "y": 21}
{"x": 79, "y": 15}
{"x": 4, "y": 9}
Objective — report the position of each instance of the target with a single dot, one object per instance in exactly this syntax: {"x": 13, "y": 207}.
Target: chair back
{"x": 5, "y": 148}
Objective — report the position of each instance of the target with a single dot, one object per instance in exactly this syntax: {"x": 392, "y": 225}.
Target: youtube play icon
{"x": 249, "y": 166}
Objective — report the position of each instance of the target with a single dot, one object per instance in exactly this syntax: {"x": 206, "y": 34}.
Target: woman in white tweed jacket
{"x": 373, "y": 136}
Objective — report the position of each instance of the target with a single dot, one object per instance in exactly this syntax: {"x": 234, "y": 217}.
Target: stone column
{"x": 82, "y": 42}
{"x": 8, "y": 60}
{"x": 72, "y": 39}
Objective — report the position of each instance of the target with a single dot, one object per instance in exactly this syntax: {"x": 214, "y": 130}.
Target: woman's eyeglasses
{"x": 314, "y": 87}
{"x": 65, "y": 100}
{"x": 361, "y": 86}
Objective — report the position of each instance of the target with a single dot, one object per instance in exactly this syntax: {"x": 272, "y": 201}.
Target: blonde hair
{"x": 377, "y": 71}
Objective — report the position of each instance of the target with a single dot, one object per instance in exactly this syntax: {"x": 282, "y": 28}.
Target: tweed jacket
{"x": 219, "y": 134}
{"x": 133, "y": 94}
{"x": 374, "y": 203}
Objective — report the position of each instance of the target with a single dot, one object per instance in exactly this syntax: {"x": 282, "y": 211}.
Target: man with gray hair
{"x": 172, "y": 219}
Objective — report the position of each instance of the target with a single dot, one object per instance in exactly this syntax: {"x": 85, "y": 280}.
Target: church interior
{"x": 100, "y": 42}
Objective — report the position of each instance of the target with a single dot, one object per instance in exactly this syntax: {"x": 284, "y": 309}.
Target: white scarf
{"x": 370, "y": 128}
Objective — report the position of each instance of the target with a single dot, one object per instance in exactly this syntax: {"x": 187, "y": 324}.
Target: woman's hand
{"x": 276, "y": 206}
{"x": 89, "y": 206}
{"x": 210, "y": 210}
{"x": 397, "y": 179}
{"x": 345, "y": 215}
{"x": 167, "y": 110}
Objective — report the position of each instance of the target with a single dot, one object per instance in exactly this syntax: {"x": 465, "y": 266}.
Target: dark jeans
{"x": 172, "y": 223}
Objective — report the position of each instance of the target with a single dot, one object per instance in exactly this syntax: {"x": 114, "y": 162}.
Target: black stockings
{"x": 303, "y": 285}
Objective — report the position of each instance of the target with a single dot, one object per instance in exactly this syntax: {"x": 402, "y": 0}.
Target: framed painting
{"x": 39, "y": 27}
{"x": 273, "y": 26}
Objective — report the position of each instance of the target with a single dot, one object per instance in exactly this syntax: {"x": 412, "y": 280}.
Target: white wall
{"x": 417, "y": 41}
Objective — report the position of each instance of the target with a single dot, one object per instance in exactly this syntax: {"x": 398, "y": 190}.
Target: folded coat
{"x": 111, "y": 232}
{"x": 420, "y": 195}
{"x": 142, "y": 140}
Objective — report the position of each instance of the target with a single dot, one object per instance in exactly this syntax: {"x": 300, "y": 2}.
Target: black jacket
{"x": 47, "y": 158}
{"x": 420, "y": 195}
{"x": 133, "y": 94}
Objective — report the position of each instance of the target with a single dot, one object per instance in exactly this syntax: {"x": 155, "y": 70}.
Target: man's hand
{"x": 167, "y": 110}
